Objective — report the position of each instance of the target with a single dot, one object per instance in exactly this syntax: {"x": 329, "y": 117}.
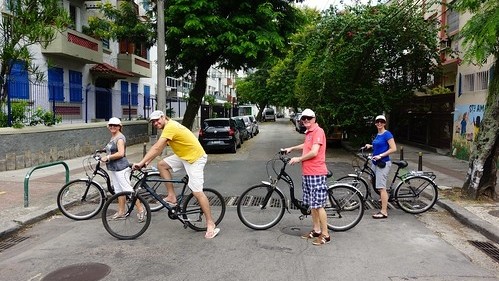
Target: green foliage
{"x": 19, "y": 110}
{"x": 28, "y": 23}
{"x": 47, "y": 118}
{"x": 122, "y": 23}
{"x": 211, "y": 100}
{"x": 440, "y": 90}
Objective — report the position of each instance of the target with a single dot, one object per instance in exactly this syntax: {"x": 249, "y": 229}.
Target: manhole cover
{"x": 79, "y": 272}
{"x": 494, "y": 213}
{"x": 295, "y": 230}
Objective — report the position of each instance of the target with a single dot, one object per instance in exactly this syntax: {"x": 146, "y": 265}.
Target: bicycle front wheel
{"x": 157, "y": 186}
{"x": 416, "y": 194}
{"x": 261, "y": 207}
{"x": 130, "y": 225}
{"x": 345, "y": 207}
{"x": 80, "y": 199}
{"x": 194, "y": 216}
{"x": 357, "y": 182}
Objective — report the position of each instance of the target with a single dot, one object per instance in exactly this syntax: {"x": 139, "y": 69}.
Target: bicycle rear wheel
{"x": 416, "y": 194}
{"x": 345, "y": 207}
{"x": 194, "y": 216}
{"x": 80, "y": 199}
{"x": 158, "y": 187}
{"x": 129, "y": 226}
{"x": 261, "y": 207}
{"x": 357, "y": 182}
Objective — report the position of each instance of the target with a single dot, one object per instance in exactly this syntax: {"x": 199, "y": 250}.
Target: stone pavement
{"x": 44, "y": 184}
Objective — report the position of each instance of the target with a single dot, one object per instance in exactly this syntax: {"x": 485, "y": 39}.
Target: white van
{"x": 269, "y": 114}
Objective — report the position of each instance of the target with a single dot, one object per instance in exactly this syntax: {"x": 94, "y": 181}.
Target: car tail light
{"x": 231, "y": 132}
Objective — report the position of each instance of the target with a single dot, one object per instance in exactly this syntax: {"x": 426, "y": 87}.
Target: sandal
{"x": 380, "y": 215}
{"x": 212, "y": 234}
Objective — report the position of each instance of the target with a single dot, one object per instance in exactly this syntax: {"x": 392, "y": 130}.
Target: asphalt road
{"x": 403, "y": 247}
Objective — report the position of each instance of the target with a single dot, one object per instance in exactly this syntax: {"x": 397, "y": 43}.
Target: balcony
{"x": 74, "y": 45}
{"x": 135, "y": 64}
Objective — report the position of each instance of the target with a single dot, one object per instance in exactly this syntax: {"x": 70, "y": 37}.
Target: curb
{"x": 469, "y": 219}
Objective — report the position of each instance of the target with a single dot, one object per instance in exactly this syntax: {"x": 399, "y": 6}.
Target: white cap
{"x": 155, "y": 115}
{"x": 114, "y": 121}
{"x": 308, "y": 112}
{"x": 380, "y": 117}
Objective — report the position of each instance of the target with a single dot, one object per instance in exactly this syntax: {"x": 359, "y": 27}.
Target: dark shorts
{"x": 314, "y": 191}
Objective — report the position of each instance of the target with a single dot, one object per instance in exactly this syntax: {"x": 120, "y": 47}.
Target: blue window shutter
{"x": 124, "y": 93}
{"x": 75, "y": 86}
{"x": 460, "y": 88}
{"x": 56, "y": 83}
{"x": 147, "y": 95}
{"x": 18, "y": 84}
{"x": 135, "y": 93}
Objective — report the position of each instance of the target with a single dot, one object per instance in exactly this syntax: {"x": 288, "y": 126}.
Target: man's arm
{"x": 155, "y": 150}
{"x": 311, "y": 154}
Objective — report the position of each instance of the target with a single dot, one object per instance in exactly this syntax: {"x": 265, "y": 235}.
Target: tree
{"x": 233, "y": 34}
{"x": 28, "y": 23}
{"x": 480, "y": 35}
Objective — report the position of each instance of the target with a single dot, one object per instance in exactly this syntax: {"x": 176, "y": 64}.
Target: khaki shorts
{"x": 381, "y": 174}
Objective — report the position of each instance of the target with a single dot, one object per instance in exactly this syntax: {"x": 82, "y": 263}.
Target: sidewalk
{"x": 45, "y": 183}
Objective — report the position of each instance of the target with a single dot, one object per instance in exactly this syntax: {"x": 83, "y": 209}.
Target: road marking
{"x": 2, "y": 192}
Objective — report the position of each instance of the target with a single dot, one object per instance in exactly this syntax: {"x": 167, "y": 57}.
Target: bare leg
{"x": 165, "y": 172}
{"x": 205, "y": 207}
{"x": 316, "y": 221}
{"x": 384, "y": 201}
{"x": 323, "y": 221}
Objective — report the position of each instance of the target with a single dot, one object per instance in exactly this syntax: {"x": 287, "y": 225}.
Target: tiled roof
{"x": 110, "y": 71}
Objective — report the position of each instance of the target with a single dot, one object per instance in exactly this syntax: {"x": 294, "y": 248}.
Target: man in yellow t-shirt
{"x": 188, "y": 154}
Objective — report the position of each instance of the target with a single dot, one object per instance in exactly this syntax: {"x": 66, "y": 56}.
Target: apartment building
{"x": 87, "y": 79}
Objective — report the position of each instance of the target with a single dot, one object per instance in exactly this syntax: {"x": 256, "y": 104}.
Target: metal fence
{"x": 27, "y": 102}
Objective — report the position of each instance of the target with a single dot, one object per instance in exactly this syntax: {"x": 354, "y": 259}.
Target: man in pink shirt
{"x": 314, "y": 172}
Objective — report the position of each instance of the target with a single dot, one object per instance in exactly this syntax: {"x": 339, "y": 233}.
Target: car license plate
{"x": 216, "y": 142}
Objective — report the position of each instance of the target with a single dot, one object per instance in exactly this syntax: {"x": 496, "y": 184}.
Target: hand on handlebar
{"x": 137, "y": 166}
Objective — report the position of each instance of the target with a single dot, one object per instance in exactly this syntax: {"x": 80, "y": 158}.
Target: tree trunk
{"x": 196, "y": 95}
{"x": 481, "y": 177}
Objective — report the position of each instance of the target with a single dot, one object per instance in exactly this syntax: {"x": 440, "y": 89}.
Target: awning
{"x": 109, "y": 71}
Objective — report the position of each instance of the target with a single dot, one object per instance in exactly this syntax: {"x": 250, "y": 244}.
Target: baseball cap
{"x": 155, "y": 115}
{"x": 308, "y": 112}
{"x": 380, "y": 117}
{"x": 114, "y": 121}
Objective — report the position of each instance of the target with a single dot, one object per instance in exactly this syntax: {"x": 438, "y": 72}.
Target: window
{"x": 75, "y": 86}
{"x": 452, "y": 21}
{"x": 56, "y": 84}
{"x": 134, "y": 93}
{"x": 124, "y": 93}
{"x": 482, "y": 80}
{"x": 147, "y": 96}
{"x": 469, "y": 82}
{"x": 18, "y": 85}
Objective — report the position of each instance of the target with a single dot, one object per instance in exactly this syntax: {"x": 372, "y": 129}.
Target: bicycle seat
{"x": 329, "y": 174}
{"x": 401, "y": 164}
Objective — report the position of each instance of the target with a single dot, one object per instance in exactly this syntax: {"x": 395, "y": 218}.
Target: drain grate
{"x": 11, "y": 241}
{"x": 488, "y": 248}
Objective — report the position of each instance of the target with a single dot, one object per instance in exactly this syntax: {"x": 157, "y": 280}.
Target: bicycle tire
{"x": 158, "y": 187}
{"x": 357, "y": 182}
{"x": 193, "y": 215}
{"x": 416, "y": 194}
{"x": 345, "y": 207}
{"x": 71, "y": 201}
{"x": 253, "y": 214}
{"x": 129, "y": 227}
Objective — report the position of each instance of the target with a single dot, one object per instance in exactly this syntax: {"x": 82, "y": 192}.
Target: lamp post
{"x": 161, "y": 94}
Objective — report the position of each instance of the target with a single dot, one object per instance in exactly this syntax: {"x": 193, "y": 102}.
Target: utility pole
{"x": 161, "y": 94}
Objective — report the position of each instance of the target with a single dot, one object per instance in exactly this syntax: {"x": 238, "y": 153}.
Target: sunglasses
{"x": 306, "y": 118}
{"x": 380, "y": 121}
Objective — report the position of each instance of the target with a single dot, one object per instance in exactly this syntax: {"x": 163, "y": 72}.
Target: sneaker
{"x": 141, "y": 216}
{"x": 321, "y": 240}
{"x": 118, "y": 216}
{"x": 312, "y": 234}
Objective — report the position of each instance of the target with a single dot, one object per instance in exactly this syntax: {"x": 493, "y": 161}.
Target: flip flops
{"x": 379, "y": 215}
{"x": 212, "y": 234}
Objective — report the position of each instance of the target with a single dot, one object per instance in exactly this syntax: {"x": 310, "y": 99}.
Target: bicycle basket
{"x": 89, "y": 166}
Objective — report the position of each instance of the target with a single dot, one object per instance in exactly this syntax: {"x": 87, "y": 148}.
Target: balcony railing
{"x": 74, "y": 45}
{"x": 135, "y": 64}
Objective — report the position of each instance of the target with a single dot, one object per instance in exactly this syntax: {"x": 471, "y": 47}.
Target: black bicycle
{"x": 262, "y": 206}
{"x": 187, "y": 210}
{"x": 416, "y": 191}
{"x": 82, "y": 199}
